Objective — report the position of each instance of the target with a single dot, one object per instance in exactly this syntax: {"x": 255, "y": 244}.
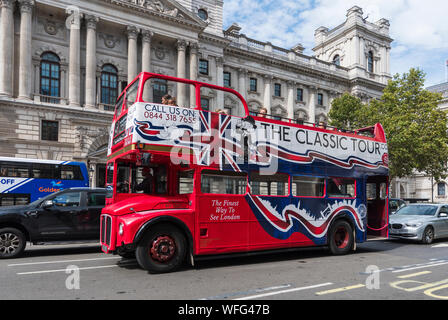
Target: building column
{"x": 362, "y": 57}
{"x": 74, "y": 68}
{"x": 132, "y": 52}
{"x": 267, "y": 93}
{"x": 25, "y": 63}
{"x": 331, "y": 96}
{"x": 146, "y": 50}
{"x": 6, "y": 47}
{"x": 181, "y": 46}
{"x": 91, "y": 22}
{"x": 242, "y": 75}
{"x": 220, "y": 83}
{"x": 194, "y": 48}
{"x": 312, "y": 104}
{"x": 291, "y": 100}
{"x": 356, "y": 60}
{"x": 146, "y": 61}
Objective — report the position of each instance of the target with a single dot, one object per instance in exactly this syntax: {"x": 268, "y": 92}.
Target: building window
{"x": 370, "y": 62}
{"x": 50, "y": 130}
{"x": 205, "y": 104}
{"x": 441, "y": 186}
{"x": 159, "y": 89}
{"x": 337, "y": 60}
{"x": 253, "y": 85}
{"x": 320, "y": 99}
{"x": 50, "y": 75}
{"x": 203, "y": 14}
{"x": 109, "y": 84}
{"x": 227, "y": 79}
{"x": 299, "y": 94}
{"x": 203, "y": 67}
{"x": 277, "y": 90}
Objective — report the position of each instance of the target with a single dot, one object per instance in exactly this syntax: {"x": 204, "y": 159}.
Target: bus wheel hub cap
{"x": 341, "y": 238}
{"x": 163, "y": 249}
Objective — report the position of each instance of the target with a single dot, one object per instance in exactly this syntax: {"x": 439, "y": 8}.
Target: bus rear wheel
{"x": 162, "y": 249}
{"x": 341, "y": 238}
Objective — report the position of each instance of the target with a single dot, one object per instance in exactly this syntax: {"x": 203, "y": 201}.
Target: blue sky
{"x": 419, "y": 27}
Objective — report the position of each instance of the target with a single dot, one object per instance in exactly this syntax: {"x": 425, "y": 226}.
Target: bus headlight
{"x": 121, "y": 229}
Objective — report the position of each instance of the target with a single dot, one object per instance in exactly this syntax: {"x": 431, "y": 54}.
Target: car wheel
{"x": 162, "y": 249}
{"x": 340, "y": 238}
{"x": 12, "y": 243}
{"x": 428, "y": 235}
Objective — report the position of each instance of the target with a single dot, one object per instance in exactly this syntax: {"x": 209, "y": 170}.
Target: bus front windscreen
{"x": 141, "y": 179}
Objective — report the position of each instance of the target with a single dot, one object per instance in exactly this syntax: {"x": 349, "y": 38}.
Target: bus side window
{"x": 185, "y": 182}
{"x": 341, "y": 188}
{"x": 264, "y": 185}
{"x": 69, "y": 172}
{"x": 217, "y": 182}
{"x": 16, "y": 170}
{"x": 308, "y": 187}
{"x": 44, "y": 171}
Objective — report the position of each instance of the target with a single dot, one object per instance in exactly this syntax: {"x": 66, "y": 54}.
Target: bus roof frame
{"x": 145, "y": 76}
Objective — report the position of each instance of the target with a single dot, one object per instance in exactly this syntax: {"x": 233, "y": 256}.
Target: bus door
{"x": 377, "y": 189}
{"x": 222, "y": 212}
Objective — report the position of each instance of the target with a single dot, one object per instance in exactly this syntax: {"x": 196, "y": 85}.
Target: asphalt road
{"x": 377, "y": 270}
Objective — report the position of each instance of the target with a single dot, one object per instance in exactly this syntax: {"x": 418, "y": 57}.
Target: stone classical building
{"x": 63, "y": 63}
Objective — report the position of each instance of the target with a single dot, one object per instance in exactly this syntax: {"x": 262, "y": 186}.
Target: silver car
{"x": 423, "y": 222}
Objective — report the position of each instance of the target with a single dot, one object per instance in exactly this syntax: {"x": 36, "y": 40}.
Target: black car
{"x": 65, "y": 216}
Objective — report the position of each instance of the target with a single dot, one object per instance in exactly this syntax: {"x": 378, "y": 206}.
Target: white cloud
{"x": 419, "y": 28}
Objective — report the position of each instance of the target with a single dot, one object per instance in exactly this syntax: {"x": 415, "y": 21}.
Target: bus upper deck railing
{"x": 137, "y": 87}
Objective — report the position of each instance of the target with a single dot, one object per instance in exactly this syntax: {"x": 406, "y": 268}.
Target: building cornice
{"x": 307, "y": 69}
{"x": 191, "y": 23}
{"x": 76, "y": 112}
{"x": 354, "y": 27}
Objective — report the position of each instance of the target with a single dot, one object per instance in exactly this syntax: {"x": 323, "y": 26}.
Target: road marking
{"x": 64, "y": 270}
{"x": 241, "y": 293}
{"x": 430, "y": 293}
{"x": 414, "y": 274}
{"x": 441, "y": 245}
{"x": 422, "y": 285}
{"x": 60, "y": 261}
{"x": 356, "y": 286}
{"x": 422, "y": 266}
{"x": 284, "y": 291}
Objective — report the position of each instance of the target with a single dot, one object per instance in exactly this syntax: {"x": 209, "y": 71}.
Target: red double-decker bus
{"x": 185, "y": 182}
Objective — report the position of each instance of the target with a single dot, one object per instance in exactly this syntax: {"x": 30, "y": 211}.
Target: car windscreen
{"x": 417, "y": 210}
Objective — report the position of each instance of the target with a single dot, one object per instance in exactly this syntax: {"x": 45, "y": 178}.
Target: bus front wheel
{"x": 162, "y": 249}
{"x": 340, "y": 238}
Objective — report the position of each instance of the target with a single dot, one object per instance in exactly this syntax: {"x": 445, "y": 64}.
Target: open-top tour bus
{"x": 188, "y": 182}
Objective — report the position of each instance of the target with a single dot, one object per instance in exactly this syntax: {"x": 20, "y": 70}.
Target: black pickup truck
{"x": 70, "y": 215}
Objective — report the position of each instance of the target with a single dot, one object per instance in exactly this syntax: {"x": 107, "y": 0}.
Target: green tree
{"x": 416, "y": 130}
{"x": 347, "y": 112}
